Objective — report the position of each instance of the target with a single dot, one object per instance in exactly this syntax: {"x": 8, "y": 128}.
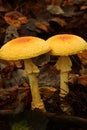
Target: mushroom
{"x": 64, "y": 45}
{"x": 25, "y": 48}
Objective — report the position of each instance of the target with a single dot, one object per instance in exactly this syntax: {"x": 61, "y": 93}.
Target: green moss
{"x": 22, "y": 125}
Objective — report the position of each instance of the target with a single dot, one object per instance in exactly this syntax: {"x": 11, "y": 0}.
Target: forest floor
{"x": 43, "y": 19}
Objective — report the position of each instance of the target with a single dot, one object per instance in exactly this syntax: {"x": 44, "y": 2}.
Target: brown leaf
{"x": 15, "y": 18}
{"x": 60, "y": 21}
{"x": 8, "y": 69}
{"x": 4, "y": 62}
{"x": 1, "y": 81}
{"x": 56, "y": 2}
{"x": 67, "y": 3}
{"x": 18, "y": 63}
{"x": 23, "y": 19}
{"x": 83, "y": 7}
{"x": 1, "y": 2}
{"x": 11, "y": 33}
{"x": 42, "y": 26}
{"x": 4, "y": 6}
{"x": 47, "y": 92}
{"x": 83, "y": 80}
{"x": 83, "y": 57}
{"x": 2, "y": 9}
{"x": 55, "y": 9}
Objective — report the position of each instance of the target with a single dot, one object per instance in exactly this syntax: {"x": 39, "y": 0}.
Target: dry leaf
{"x": 83, "y": 57}
{"x": 83, "y": 80}
{"x": 60, "y": 21}
{"x": 55, "y": 9}
{"x": 67, "y": 3}
{"x": 18, "y": 63}
{"x": 2, "y": 9}
{"x": 15, "y": 18}
{"x": 42, "y": 26}
{"x": 11, "y": 33}
{"x": 56, "y": 2}
{"x": 47, "y": 92}
{"x": 83, "y": 7}
{"x": 1, "y": 82}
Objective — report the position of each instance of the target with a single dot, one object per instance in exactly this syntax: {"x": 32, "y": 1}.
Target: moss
{"x": 22, "y": 125}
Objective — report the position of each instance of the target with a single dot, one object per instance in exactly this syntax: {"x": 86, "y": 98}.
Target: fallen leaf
{"x": 69, "y": 11}
{"x": 18, "y": 63}
{"x": 1, "y": 82}
{"x": 55, "y": 9}
{"x": 83, "y": 7}
{"x": 67, "y": 3}
{"x": 60, "y": 21}
{"x": 47, "y": 92}
{"x": 41, "y": 60}
{"x": 42, "y": 26}
{"x": 2, "y": 9}
{"x": 15, "y": 18}
{"x": 83, "y": 57}
{"x": 83, "y": 80}
{"x": 11, "y": 33}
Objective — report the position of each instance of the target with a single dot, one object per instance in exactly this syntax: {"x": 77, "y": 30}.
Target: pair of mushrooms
{"x": 28, "y": 47}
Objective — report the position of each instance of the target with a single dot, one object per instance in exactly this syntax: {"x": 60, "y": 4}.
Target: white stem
{"x": 31, "y": 69}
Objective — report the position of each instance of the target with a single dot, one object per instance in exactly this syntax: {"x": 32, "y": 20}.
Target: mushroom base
{"x": 37, "y": 102}
{"x": 39, "y": 106}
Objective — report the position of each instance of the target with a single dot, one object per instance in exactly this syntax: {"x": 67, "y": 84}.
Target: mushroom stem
{"x": 32, "y": 70}
{"x": 64, "y": 90}
{"x": 64, "y": 65}
{"x": 36, "y": 99}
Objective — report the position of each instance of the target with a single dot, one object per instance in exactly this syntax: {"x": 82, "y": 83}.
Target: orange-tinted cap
{"x": 66, "y": 44}
{"x": 23, "y": 48}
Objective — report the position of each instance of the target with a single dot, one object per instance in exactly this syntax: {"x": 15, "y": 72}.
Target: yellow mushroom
{"x": 26, "y": 48}
{"x": 64, "y": 45}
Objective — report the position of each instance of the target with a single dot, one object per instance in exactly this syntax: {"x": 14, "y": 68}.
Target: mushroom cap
{"x": 66, "y": 44}
{"x": 24, "y": 48}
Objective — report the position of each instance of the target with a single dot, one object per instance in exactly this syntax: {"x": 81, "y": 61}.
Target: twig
{"x": 66, "y": 120}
